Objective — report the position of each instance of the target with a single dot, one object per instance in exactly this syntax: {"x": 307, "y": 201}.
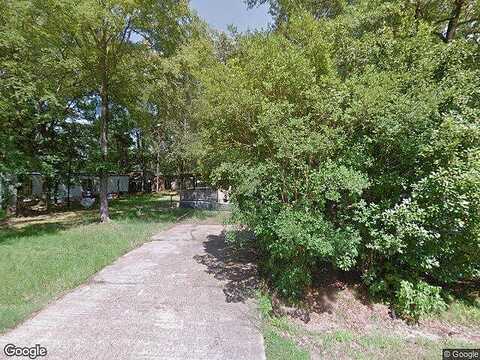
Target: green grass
{"x": 278, "y": 347}
{"x": 39, "y": 260}
{"x": 277, "y": 333}
{"x": 379, "y": 345}
{"x": 462, "y": 312}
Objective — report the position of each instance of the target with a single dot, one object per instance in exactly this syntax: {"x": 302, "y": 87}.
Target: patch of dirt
{"x": 338, "y": 304}
{"x": 446, "y": 329}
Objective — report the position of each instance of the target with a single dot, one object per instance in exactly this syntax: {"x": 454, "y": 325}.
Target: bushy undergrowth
{"x": 353, "y": 141}
{"x": 416, "y": 300}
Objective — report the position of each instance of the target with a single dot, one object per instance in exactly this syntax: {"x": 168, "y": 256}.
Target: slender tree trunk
{"x": 69, "y": 176}
{"x": 144, "y": 167}
{"x": 55, "y": 193}
{"x": 19, "y": 208}
{"x": 142, "y": 154}
{"x": 157, "y": 171}
{"x": 105, "y": 113}
{"x": 48, "y": 194}
{"x": 453, "y": 23}
{"x": 11, "y": 198}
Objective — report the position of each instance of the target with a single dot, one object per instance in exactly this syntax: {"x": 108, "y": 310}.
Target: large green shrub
{"x": 352, "y": 141}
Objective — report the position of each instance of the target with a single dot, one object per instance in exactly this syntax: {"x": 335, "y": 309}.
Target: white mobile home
{"x": 116, "y": 184}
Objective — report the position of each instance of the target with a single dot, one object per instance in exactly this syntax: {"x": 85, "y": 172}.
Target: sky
{"x": 221, "y": 13}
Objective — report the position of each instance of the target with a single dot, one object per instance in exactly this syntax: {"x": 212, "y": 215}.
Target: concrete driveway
{"x": 156, "y": 302}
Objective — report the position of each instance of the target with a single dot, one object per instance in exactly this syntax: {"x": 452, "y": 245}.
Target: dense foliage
{"x": 353, "y": 140}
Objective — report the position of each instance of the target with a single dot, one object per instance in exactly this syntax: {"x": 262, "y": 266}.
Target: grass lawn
{"x": 42, "y": 257}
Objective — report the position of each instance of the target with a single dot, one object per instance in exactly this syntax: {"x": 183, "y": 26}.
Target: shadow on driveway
{"x": 237, "y": 268}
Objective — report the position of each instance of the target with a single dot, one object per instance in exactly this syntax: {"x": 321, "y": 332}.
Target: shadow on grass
{"x": 148, "y": 208}
{"x": 8, "y": 233}
{"x": 237, "y": 267}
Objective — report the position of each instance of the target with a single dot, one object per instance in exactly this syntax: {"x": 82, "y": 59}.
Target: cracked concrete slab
{"x": 156, "y": 302}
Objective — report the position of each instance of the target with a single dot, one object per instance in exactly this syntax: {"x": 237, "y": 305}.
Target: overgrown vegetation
{"x": 352, "y": 139}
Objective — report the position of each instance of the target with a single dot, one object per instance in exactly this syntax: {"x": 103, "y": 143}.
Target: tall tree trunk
{"x": 141, "y": 156}
{"x": 19, "y": 206}
{"x": 144, "y": 166}
{"x": 105, "y": 113}
{"x": 11, "y": 197}
{"x": 69, "y": 177}
{"x": 48, "y": 193}
{"x": 157, "y": 172}
{"x": 453, "y": 23}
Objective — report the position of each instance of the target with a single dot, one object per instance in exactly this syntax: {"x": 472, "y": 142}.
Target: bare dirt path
{"x": 156, "y": 302}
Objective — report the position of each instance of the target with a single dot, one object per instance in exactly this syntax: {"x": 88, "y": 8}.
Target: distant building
{"x": 34, "y": 187}
{"x": 204, "y": 198}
